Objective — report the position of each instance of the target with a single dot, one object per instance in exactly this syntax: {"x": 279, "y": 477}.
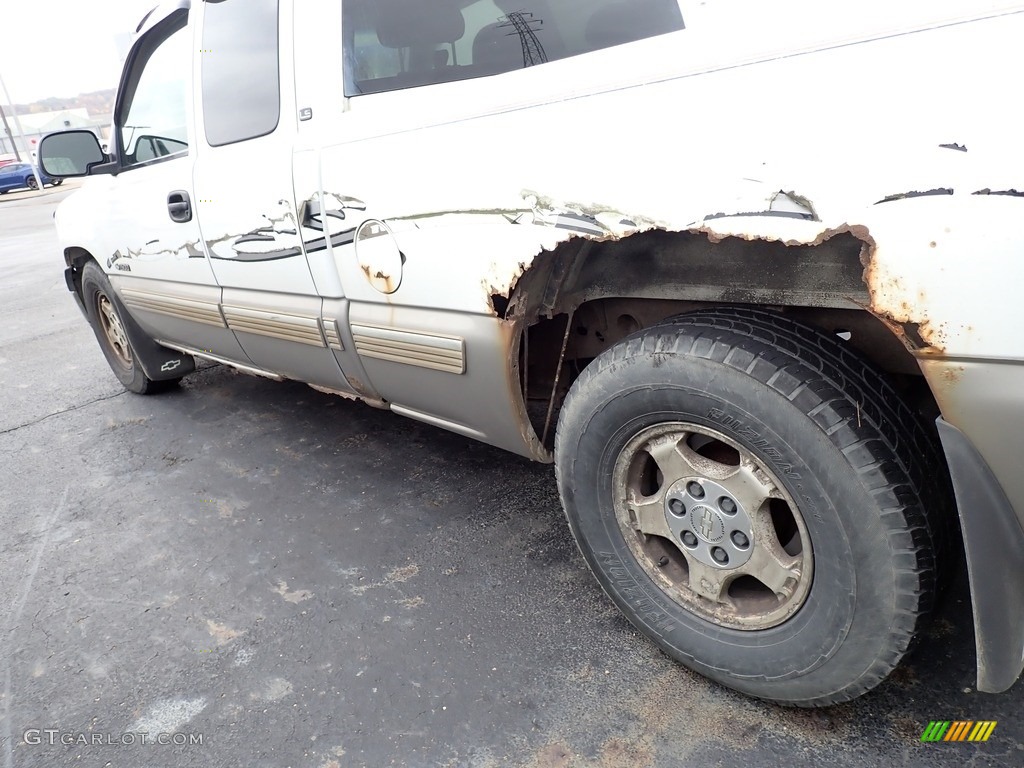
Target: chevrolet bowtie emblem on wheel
{"x": 707, "y": 523}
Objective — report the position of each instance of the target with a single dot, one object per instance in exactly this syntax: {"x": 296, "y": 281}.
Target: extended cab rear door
{"x": 429, "y": 153}
{"x": 250, "y": 170}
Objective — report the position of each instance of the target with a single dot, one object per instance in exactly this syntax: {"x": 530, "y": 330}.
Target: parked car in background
{"x": 19, "y": 176}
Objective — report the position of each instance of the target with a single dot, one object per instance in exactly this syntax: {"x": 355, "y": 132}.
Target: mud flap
{"x": 157, "y": 361}
{"x": 994, "y": 543}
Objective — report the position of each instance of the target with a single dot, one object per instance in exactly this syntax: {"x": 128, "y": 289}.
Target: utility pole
{"x": 7, "y": 132}
{"x": 524, "y": 25}
{"x": 21, "y": 132}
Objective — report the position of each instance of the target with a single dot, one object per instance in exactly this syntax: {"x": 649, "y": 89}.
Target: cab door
{"x": 249, "y": 172}
{"x": 152, "y": 249}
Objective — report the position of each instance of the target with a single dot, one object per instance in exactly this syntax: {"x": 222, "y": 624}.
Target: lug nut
{"x": 676, "y": 507}
{"x": 719, "y": 555}
{"x": 739, "y": 538}
{"x": 727, "y": 505}
{"x": 689, "y": 539}
{"x": 694, "y": 489}
{"x": 662, "y": 561}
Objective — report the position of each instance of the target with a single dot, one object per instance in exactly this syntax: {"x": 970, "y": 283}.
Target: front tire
{"x": 740, "y": 489}
{"x": 31, "y": 183}
{"x": 105, "y": 317}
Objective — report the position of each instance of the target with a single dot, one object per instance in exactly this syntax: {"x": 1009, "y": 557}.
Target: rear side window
{"x": 241, "y": 84}
{"x": 394, "y": 44}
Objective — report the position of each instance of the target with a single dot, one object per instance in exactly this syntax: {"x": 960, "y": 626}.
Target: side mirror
{"x": 70, "y": 153}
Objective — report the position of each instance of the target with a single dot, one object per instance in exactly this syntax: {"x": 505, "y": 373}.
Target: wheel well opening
{"x": 587, "y": 297}
{"x": 76, "y": 259}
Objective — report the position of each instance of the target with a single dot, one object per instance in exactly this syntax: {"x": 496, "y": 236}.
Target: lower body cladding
{"x": 457, "y": 375}
{"x": 442, "y": 368}
{"x": 981, "y": 402}
{"x": 180, "y": 312}
{"x": 284, "y": 333}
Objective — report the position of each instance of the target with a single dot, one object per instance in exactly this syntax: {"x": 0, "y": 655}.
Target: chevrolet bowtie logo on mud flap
{"x": 171, "y": 365}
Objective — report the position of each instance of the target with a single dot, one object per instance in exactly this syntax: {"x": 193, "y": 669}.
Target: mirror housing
{"x": 70, "y": 154}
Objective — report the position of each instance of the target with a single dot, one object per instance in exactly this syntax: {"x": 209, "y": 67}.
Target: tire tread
{"x": 897, "y": 460}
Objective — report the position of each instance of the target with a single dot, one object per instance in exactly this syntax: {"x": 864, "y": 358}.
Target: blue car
{"x": 19, "y": 175}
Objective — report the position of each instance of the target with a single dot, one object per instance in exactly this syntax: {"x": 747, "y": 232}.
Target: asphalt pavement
{"x": 263, "y": 576}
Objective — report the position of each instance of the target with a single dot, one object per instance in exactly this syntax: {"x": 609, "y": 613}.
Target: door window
{"x": 153, "y": 117}
{"x": 241, "y": 85}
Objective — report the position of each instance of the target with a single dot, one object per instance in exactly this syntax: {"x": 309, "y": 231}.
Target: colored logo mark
{"x": 958, "y": 730}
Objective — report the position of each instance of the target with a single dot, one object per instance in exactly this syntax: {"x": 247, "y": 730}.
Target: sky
{"x": 68, "y": 46}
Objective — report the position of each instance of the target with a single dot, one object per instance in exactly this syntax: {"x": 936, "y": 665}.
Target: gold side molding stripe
{"x": 196, "y": 310}
{"x": 275, "y": 325}
{"x": 332, "y": 335}
{"x": 438, "y": 353}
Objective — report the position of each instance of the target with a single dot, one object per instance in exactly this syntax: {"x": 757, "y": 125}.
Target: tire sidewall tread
{"x": 890, "y": 551}
{"x": 94, "y": 282}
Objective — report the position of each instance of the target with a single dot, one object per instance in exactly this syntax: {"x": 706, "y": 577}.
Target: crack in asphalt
{"x": 61, "y": 413}
{"x": 13, "y": 619}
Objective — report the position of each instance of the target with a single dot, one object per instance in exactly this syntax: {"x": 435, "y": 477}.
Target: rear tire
{"x": 105, "y": 317}
{"x": 31, "y": 183}
{"x": 749, "y": 498}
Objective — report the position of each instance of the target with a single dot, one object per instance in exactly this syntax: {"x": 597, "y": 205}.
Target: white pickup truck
{"x": 748, "y": 273}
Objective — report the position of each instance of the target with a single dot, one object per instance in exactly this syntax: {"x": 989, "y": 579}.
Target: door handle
{"x": 179, "y": 206}
{"x": 313, "y": 213}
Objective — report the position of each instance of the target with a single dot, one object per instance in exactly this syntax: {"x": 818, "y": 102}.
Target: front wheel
{"x": 751, "y": 495}
{"x": 105, "y": 318}
{"x": 31, "y": 182}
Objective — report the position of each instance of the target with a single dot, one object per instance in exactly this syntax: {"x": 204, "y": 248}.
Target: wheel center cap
{"x": 707, "y": 523}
